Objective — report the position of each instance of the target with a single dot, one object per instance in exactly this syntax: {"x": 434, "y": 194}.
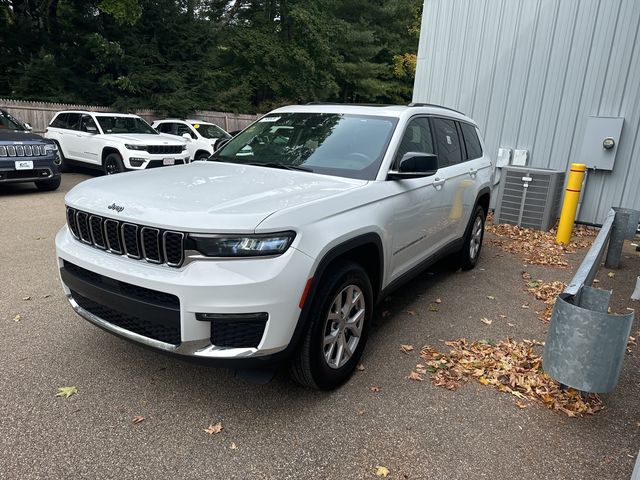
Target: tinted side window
{"x": 88, "y": 125}
{"x": 73, "y": 121}
{"x": 448, "y": 142}
{"x": 417, "y": 138}
{"x": 471, "y": 141}
{"x": 60, "y": 121}
{"x": 167, "y": 128}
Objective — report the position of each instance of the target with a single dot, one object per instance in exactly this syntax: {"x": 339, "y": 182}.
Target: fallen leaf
{"x": 502, "y": 316}
{"x": 26, "y": 298}
{"x": 17, "y": 318}
{"x": 595, "y": 280}
{"x": 46, "y": 295}
{"x": 411, "y": 312}
{"x": 137, "y": 419}
{"x": 381, "y": 471}
{"x": 486, "y": 321}
{"x": 521, "y": 404}
{"x": 233, "y": 446}
{"x": 491, "y": 297}
{"x": 433, "y": 307}
{"x": 374, "y": 388}
{"x": 144, "y": 403}
{"x": 66, "y": 392}
{"x": 213, "y": 429}
{"x": 438, "y": 301}
{"x": 533, "y": 284}
{"x": 360, "y": 367}
{"x": 510, "y": 324}
{"x": 611, "y": 274}
{"x": 406, "y": 348}
{"x": 360, "y": 412}
{"x": 415, "y": 376}
{"x": 525, "y": 305}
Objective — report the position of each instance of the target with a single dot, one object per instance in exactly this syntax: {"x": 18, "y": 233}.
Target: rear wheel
{"x": 337, "y": 334}
{"x": 202, "y": 156}
{"x": 48, "y": 185}
{"x": 112, "y": 164}
{"x": 64, "y": 163}
{"x": 473, "y": 240}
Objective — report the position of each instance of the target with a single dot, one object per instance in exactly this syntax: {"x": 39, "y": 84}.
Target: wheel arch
{"x": 108, "y": 150}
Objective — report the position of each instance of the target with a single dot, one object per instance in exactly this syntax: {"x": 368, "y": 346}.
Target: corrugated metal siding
{"x": 530, "y": 72}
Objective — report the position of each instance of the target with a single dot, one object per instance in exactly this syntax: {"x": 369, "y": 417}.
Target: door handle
{"x": 473, "y": 172}
{"x": 438, "y": 182}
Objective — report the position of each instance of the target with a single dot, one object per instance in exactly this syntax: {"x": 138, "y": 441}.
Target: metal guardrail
{"x": 585, "y": 344}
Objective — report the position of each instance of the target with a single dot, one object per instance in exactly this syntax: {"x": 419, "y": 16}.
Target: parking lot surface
{"x": 279, "y": 430}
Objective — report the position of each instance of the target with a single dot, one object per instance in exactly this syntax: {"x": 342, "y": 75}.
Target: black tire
{"x": 48, "y": 185}
{"x": 310, "y": 366}
{"x": 64, "y": 163}
{"x": 473, "y": 237}
{"x": 112, "y": 164}
{"x": 202, "y": 156}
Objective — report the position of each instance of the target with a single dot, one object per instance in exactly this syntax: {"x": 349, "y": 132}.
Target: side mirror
{"x": 221, "y": 142}
{"x": 415, "y": 165}
{"x": 91, "y": 129}
{"x": 28, "y": 126}
{"x": 187, "y": 137}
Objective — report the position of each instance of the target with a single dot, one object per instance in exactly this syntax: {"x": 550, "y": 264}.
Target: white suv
{"x": 278, "y": 248}
{"x": 202, "y": 137}
{"x": 113, "y": 142}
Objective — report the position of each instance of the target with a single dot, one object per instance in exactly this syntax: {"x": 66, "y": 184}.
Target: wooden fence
{"x": 39, "y": 114}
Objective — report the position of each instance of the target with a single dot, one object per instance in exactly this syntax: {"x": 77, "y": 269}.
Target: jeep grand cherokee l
{"x": 25, "y": 156}
{"x": 113, "y": 142}
{"x": 278, "y": 248}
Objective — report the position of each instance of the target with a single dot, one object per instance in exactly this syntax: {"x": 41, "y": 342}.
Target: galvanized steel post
{"x": 616, "y": 241}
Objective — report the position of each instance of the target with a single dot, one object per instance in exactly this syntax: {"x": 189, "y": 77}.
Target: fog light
{"x": 57, "y": 161}
{"x": 136, "y": 162}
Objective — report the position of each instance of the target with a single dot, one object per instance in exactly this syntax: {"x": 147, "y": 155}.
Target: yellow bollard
{"x": 570, "y": 203}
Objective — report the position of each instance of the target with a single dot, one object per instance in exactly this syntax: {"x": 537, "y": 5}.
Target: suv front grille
{"x": 22, "y": 151}
{"x": 162, "y": 149}
{"x": 123, "y": 238}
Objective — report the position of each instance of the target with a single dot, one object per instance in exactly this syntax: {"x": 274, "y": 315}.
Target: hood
{"x": 146, "y": 138}
{"x": 16, "y": 136}
{"x": 204, "y": 196}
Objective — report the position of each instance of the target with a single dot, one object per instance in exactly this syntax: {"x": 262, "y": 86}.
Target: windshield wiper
{"x": 281, "y": 166}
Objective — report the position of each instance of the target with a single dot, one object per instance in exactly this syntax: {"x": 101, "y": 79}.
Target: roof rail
{"x": 354, "y": 104}
{"x": 417, "y": 104}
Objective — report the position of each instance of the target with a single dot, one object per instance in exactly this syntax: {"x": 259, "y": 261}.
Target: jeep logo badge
{"x": 115, "y": 207}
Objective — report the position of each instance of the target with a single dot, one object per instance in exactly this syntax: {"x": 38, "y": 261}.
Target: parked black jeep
{"x": 25, "y": 156}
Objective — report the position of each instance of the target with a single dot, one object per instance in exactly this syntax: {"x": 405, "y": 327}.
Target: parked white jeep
{"x": 113, "y": 142}
{"x": 277, "y": 249}
{"x": 202, "y": 137}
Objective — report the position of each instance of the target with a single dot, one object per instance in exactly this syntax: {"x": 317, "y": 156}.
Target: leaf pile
{"x": 535, "y": 246}
{"x": 510, "y": 367}
{"x": 547, "y": 292}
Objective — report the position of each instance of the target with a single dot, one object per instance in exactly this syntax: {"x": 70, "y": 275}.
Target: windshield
{"x": 124, "y": 125}
{"x": 334, "y": 144}
{"x": 210, "y": 131}
{"x": 7, "y": 122}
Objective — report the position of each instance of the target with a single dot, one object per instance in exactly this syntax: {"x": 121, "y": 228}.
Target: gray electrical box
{"x": 600, "y": 142}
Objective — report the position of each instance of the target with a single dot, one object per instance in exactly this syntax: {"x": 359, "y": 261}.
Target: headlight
{"x": 241, "y": 245}
{"x": 135, "y": 147}
{"x": 50, "y": 147}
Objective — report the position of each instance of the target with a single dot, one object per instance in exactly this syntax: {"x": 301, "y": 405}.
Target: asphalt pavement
{"x": 279, "y": 430}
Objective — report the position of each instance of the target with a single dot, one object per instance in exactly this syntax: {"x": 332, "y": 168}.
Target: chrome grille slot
{"x": 28, "y": 151}
{"x": 97, "y": 232}
{"x": 19, "y": 150}
{"x": 130, "y": 240}
{"x": 112, "y": 234}
{"x": 82, "y": 218}
{"x": 173, "y": 246}
{"x": 71, "y": 222}
{"x": 122, "y": 238}
{"x": 151, "y": 244}
{"x": 11, "y": 150}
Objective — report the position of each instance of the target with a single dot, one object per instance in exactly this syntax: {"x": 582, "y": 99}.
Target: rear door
{"x": 69, "y": 138}
{"x": 458, "y": 191}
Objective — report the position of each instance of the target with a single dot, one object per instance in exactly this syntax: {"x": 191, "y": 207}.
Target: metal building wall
{"x": 530, "y": 72}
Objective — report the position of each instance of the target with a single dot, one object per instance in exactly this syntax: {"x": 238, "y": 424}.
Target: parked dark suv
{"x": 25, "y": 156}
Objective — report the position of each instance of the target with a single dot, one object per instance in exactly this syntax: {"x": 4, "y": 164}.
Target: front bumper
{"x": 44, "y": 168}
{"x": 141, "y": 160}
{"x": 230, "y": 288}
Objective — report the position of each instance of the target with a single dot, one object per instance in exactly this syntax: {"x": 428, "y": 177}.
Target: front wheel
{"x": 202, "y": 156}
{"x": 338, "y": 328}
{"x": 473, "y": 240}
{"x": 113, "y": 164}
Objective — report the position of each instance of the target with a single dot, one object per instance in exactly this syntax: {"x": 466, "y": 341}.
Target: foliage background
{"x": 176, "y": 56}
